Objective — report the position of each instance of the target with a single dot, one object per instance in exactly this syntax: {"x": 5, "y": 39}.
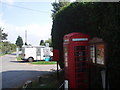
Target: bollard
{"x": 27, "y": 85}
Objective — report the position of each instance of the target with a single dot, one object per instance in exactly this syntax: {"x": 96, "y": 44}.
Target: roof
{"x": 96, "y": 40}
{"x": 34, "y": 46}
{"x": 74, "y": 34}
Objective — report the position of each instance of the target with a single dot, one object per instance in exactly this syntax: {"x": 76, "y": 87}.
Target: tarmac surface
{"x": 16, "y": 73}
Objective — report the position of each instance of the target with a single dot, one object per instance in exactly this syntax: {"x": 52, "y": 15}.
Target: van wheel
{"x": 30, "y": 59}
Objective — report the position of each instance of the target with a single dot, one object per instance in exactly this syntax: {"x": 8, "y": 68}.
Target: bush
{"x": 7, "y": 47}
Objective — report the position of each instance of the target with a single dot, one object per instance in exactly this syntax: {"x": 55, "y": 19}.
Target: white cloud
{"x": 35, "y": 32}
{"x": 38, "y": 30}
{"x": 8, "y": 1}
{"x": 12, "y": 1}
{"x": 1, "y": 20}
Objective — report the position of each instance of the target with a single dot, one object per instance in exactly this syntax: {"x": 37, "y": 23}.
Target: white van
{"x": 31, "y": 53}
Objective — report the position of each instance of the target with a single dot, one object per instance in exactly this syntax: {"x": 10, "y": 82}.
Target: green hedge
{"x": 94, "y": 19}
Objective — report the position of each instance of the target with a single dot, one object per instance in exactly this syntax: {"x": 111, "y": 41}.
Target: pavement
{"x": 16, "y": 73}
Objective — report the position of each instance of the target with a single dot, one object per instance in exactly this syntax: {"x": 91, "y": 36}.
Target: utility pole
{"x": 25, "y": 37}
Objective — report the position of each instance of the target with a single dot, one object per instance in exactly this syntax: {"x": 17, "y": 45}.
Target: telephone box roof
{"x": 74, "y": 34}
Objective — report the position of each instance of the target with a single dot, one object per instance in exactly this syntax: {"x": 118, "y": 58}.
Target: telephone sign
{"x": 80, "y": 39}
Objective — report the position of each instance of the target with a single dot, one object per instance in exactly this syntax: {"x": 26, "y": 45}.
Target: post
{"x": 66, "y": 85}
{"x": 25, "y": 36}
{"x": 103, "y": 75}
{"x": 57, "y": 71}
{"x": 17, "y": 52}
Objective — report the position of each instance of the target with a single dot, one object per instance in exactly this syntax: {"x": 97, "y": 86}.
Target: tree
{"x": 49, "y": 41}
{"x": 58, "y": 6}
{"x": 86, "y": 0}
{"x": 7, "y": 47}
{"x": 42, "y": 43}
{"x": 19, "y": 42}
{"x": 3, "y": 36}
{"x": 26, "y": 43}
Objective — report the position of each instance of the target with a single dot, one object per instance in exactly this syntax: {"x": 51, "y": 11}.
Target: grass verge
{"x": 2, "y": 54}
{"x": 44, "y": 62}
{"x": 18, "y": 58}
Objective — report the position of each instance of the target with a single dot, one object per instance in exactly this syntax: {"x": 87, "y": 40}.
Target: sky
{"x": 33, "y": 16}
{"x": 37, "y": 21}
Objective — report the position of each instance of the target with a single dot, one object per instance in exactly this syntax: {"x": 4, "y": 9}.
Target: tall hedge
{"x": 94, "y": 19}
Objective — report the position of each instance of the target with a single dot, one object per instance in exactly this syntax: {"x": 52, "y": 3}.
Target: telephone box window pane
{"x": 82, "y": 70}
{"x": 92, "y": 53}
{"x": 66, "y": 62}
{"x": 66, "y": 57}
{"x": 80, "y": 53}
{"x": 82, "y": 64}
{"x": 80, "y": 58}
{"x": 80, "y": 48}
{"x": 100, "y": 53}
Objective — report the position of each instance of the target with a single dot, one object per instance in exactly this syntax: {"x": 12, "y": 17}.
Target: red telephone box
{"x": 76, "y": 60}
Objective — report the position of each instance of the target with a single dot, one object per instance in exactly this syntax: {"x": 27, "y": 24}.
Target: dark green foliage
{"x": 57, "y": 7}
{"x": 49, "y": 41}
{"x": 3, "y": 36}
{"x": 7, "y": 47}
{"x": 26, "y": 43}
{"x": 94, "y": 19}
{"x": 42, "y": 43}
{"x": 19, "y": 42}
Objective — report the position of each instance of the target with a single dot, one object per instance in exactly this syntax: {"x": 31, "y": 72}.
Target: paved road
{"x": 15, "y": 73}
